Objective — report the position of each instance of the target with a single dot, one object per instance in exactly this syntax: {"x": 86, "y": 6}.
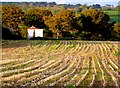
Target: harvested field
{"x": 61, "y": 63}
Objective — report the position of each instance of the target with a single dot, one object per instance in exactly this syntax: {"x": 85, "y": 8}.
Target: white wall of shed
{"x": 30, "y": 33}
{"x": 38, "y": 32}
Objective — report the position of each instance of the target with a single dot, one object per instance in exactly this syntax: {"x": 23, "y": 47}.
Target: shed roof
{"x": 32, "y": 28}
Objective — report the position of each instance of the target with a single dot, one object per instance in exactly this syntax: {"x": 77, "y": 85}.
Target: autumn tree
{"x": 63, "y": 24}
{"x": 12, "y": 17}
{"x": 41, "y": 12}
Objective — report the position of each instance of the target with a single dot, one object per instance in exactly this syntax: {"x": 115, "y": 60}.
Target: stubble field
{"x": 60, "y": 64}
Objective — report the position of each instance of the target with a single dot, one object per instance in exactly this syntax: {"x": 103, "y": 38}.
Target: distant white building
{"x": 34, "y": 32}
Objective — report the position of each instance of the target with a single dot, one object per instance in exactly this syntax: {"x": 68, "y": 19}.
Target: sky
{"x": 88, "y": 2}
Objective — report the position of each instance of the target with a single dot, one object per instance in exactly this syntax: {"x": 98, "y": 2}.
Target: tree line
{"x": 90, "y": 24}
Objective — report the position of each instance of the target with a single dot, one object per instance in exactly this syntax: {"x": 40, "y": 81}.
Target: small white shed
{"x": 35, "y": 32}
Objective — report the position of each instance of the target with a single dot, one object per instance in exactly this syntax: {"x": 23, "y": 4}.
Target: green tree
{"x": 94, "y": 22}
{"x": 78, "y": 9}
{"x": 83, "y": 7}
{"x": 116, "y": 31}
{"x": 23, "y": 30}
{"x": 62, "y": 7}
{"x": 97, "y": 16}
{"x": 36, "y": 16}
{"x": 34, "y": 19}
{"x": 117, "y": 27}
